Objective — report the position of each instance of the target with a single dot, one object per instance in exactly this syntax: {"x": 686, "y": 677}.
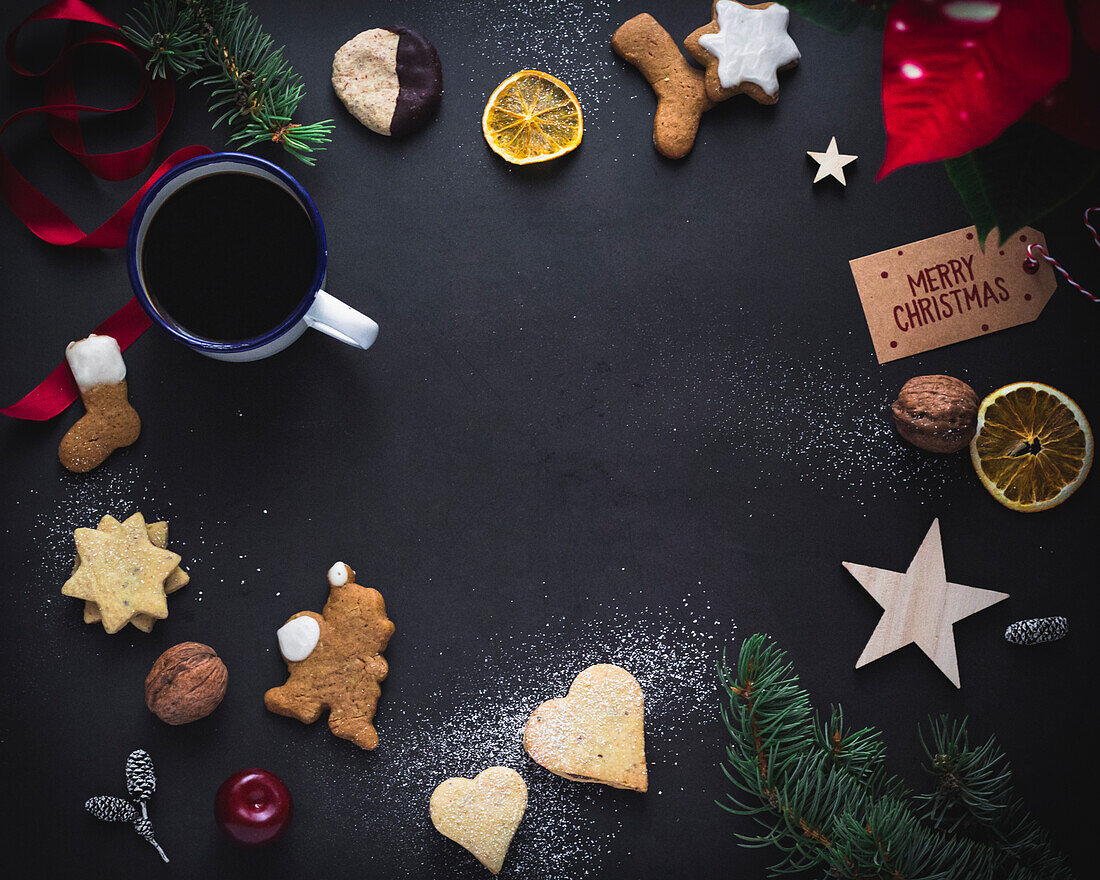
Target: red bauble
{"x": 955, "y": 75}
{"x": 253, "y": 807}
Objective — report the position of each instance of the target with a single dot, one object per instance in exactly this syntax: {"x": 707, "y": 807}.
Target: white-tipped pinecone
{"x": 1037, "y": 630}
{"x": 145, "y": 828}
{"x": 141, "y": 782}
{"x": 109, "y": 808}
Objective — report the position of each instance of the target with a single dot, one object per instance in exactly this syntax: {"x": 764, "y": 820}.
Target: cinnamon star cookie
{"x": 743, "y": 48}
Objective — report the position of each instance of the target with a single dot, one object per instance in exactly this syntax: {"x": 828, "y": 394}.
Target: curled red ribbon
{"x": 45, "y": 219}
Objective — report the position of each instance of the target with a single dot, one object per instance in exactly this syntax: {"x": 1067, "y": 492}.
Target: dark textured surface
{"x": 548, "y": 403}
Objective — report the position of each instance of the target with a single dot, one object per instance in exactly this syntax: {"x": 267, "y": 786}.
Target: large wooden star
{"x": 920, "y": 606}
{"x": 124, "y": 577}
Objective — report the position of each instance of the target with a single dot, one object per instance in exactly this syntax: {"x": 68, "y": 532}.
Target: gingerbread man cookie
{"x": 335, "y": 660}
{"x": 743, "y": 49}
{"x": 681, "y": 94}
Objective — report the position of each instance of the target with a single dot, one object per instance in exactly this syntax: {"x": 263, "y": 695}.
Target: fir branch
{"x": 974, "y": 791}
{"x": 172, "y": 35}
{"x": 253, "y": 88}
{"x": 825, "y": 800}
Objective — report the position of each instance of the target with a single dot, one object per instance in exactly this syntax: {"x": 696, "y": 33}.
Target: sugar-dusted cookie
{"x": 390, "y": 79}
{"x": 595, "y": 733}
{"x": 109, "y": 422}
{"x": 335, "y": 660}
{"x": 743, "y": 48}
{"x": 681, "y": 94}
{"x": 131, "y": 530}
{"x": 124, "y": 576}
{"x": 481, "y": 814}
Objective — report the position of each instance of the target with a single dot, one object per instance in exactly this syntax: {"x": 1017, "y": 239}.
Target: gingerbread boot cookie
{"x": 335, "y": 660}
{"x": 110, "y": 422}
{"x": 681, "y": 93}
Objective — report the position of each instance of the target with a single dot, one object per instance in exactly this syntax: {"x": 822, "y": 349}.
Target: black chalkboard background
{"x": 618, "y": 405}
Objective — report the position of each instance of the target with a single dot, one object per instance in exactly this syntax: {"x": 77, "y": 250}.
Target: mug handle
{"x": 341, "y": 321}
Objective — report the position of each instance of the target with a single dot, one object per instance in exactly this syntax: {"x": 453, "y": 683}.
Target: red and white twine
{"x": 1035, "y": 252}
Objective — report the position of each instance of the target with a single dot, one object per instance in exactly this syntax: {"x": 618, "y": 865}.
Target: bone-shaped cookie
{"x": 680, "y": 88}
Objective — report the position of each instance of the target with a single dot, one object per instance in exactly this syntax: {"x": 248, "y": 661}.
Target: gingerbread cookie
{"x": 335, "y": 660}
{"x": 596, "y": 733}
{"x": 681, "y": 94}
{"x": 743, "y": 48}
{"x": 131, "y": 530}
{"x": 390, "y": 79}
{"x": 481, "y": 814}
{"x": 109, "y": 422}
{"x": 124, "y": 576}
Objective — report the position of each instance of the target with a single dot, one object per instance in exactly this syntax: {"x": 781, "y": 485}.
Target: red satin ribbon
{"x": 47, "y": 221}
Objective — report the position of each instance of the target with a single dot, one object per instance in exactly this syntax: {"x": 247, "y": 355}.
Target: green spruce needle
{"x": 253, "y": 89}
{"x": 823, "y": 797}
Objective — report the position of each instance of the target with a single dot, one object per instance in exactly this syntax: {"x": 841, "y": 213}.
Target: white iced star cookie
{"x": 743, "y": 49}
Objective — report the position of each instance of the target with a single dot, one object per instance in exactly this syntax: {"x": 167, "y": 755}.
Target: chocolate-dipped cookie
{"x": 390, "y": 79}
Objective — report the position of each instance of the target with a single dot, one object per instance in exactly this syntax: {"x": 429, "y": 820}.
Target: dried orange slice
{"x": 532, "y": 117}
{"x": 1033, "y": 446}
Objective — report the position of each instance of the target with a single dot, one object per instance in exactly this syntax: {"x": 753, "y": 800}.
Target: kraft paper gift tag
{"x": 944, "y": 289}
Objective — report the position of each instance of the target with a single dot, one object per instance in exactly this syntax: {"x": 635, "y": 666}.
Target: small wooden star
{"x": 831, "y": 163}
{"x": 920, "y": 606}
{"x": 124, "y": 577}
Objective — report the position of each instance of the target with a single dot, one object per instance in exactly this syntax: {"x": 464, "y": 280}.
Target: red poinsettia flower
{"x": 1073, "y": 108}
{"x": 956, "y": 73}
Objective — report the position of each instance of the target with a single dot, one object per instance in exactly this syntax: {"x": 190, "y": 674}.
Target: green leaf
{"x": 842, "y": 16}
{"x": 1025, "y": 173}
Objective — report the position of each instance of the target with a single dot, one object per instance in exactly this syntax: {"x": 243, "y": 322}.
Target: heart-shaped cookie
{"x": 595, "y": 733}
{"x": 481, "y": 814}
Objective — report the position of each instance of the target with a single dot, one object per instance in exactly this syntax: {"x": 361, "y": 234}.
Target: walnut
{"x": 186, "y": 683}
{"x": 937, "y": 413}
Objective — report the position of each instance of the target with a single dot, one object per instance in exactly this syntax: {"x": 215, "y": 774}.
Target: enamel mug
{"x": 317, "y": 309}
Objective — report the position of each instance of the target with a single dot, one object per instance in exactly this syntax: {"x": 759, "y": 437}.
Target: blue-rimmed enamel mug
{"x": 317, "y": 309}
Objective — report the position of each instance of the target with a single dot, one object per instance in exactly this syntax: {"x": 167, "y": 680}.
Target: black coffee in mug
{"x": 229, "y": 256}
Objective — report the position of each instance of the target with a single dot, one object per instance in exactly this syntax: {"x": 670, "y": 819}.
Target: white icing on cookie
{"x": 364, "y": 76}
{"x": 298, "y": 637}
{"x": 95, "y": 360}
{"x": 751, "y": 45}
{"x": 338, "y": 574}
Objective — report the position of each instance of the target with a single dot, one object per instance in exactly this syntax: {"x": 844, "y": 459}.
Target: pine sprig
{"x": 171, "y": 34}
{"x": 253, "y": 88}
{"x": 822, "y": 795}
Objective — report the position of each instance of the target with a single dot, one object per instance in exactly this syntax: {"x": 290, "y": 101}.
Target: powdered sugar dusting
{"x": 119, "y": 490}
{"x": 570, "y": 39}
{"x": 799, "y": 407}
{"x": 668, "y": 650}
